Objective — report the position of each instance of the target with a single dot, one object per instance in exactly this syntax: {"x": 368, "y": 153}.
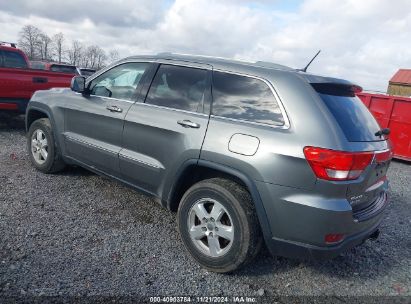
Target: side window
{"x": 13, "y": 60}
{"x": 244, "y": 98}
{"x": 178, "y": 87}
{"x": 120, "y": 82}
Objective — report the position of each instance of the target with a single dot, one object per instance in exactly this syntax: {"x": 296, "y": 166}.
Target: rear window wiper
{"x": 382, "y": 132}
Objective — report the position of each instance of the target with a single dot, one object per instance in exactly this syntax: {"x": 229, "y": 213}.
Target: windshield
{"x": 63, "y": 69}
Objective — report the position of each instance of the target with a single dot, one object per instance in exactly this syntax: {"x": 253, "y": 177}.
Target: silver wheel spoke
{"x": 33, "y": 142}
{"x": 39, "y": 135}
{"x": 217, "y": 211}
{"x": 213, "y": 245}
{"x": 38, "y": 156}
{"x": 44, "y": 153}
{"x": 197, "y": 232}
{"x": 200, "y": 211}
{"x": 224, "y": 231}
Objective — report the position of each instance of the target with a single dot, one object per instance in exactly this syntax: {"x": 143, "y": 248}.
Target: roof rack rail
{"x": 5, "y": 43}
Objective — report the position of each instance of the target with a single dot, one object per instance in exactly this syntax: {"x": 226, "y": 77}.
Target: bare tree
{"x": 45, "y": 44}
{"x": 101, "y": 58}
{"x": 75, "y": 52}
{"x": 58, "y": 46}
{"x": 29, "y": 41}
{"x": 94, "y": 57}
{"x": 38, "y": 45}
{"x": 113, "y": 56}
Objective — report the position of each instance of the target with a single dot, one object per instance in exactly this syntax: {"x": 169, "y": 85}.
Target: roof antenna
{"x": 306, "y": 67}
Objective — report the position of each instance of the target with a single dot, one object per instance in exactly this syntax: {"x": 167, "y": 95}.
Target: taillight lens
{"x": 337, "y": 165}
{"x": 383, "y": 156}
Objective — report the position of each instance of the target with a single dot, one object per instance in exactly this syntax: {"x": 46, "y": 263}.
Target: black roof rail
{"x": 12, "y": 44}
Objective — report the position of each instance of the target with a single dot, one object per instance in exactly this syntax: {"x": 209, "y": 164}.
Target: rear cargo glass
{"x": 351, "y": 114}
{"x": 64, "y": 69}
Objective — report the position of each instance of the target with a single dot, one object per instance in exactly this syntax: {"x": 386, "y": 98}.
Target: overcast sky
{"x": 365, "y": 41}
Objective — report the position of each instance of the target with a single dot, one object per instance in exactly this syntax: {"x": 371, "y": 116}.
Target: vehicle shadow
{"x": 402, "y": 161}
{"x": 11, "y": 122}
{"x": 366, "y": 262}
{"x": 75, "y": 171}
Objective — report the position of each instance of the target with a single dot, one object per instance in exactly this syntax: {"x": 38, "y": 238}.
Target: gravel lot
{"x": 77, "y": 234}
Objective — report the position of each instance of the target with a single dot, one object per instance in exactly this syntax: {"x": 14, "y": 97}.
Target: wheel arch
{"x": 195, "y": 171}
{"x": 33, "y": 114}
{"x": 37, "y": 111}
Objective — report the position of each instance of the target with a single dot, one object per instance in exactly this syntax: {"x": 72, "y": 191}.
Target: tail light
{"x": 383, "y": 156}
{"x": 337, "y": 165}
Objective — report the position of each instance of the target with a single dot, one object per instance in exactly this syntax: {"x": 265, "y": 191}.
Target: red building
{"x": 400, "y": 83}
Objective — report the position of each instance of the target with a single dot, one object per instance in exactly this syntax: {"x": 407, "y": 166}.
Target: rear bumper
{"x": 302, "y": 251}
{"x": 300, "y": 219}
{"x": 13, "y": 105}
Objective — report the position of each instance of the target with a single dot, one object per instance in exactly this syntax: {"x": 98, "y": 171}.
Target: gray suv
{"x": 245, "y": 152}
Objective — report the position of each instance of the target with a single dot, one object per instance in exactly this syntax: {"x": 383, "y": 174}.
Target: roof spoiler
{"x": 12, "y": 44}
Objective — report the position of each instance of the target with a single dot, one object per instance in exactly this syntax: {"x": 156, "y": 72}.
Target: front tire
{"x": 42, "y": 148}
{"x": 218, "y": 225}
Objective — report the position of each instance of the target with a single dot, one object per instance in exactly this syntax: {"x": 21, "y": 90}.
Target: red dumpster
{"x": 392, "y": 112}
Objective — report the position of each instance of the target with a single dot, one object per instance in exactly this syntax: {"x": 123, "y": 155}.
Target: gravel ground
{"x": 79, "y": 234}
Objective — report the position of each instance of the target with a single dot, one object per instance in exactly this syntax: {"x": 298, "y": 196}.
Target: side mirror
{"x": 78, "y": 84}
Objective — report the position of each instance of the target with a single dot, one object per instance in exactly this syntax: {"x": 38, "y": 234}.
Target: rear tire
{"x": 43, "y": 149}
{"x": 218, "y": 225}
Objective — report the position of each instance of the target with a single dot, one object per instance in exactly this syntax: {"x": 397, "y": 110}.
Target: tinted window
{"x": 13, "y": 60}
{"x": 63, "y": 69}
{"x": 178, "y": 87}
{"x": 351, "y": 114}
{"x": 120, "y": 82}
{"x": 244, "y": 98}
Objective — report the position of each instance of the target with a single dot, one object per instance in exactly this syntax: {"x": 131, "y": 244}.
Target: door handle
{"x": 188, "y": 124}
{"x": 114, "y": 109}
{"x": 39, "y": 80}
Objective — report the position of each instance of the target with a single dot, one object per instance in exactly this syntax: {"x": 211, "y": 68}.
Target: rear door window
{"x": 13, "y": 60}
{"x": 178, "y": 87}
{"x": 353, "y": 117}
{"x": 245, "y": 98}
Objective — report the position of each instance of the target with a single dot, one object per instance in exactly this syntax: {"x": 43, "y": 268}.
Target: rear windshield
{"x": 351, "y": 114}
{"x": 87, "y": 72}
{"x": 13, "y": 60}
{"x": 38, "y": 65}
{"x": 63, "y": 69}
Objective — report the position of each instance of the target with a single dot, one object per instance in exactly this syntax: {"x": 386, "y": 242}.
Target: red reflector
{"x": 383, "y": 156}
{"x": 333, "y": 238}
{"x": 337, "y": 165}
{"x": 8, "y": 106}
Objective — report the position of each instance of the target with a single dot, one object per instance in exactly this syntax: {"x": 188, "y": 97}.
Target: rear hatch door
{"x": 359, "y": 128}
